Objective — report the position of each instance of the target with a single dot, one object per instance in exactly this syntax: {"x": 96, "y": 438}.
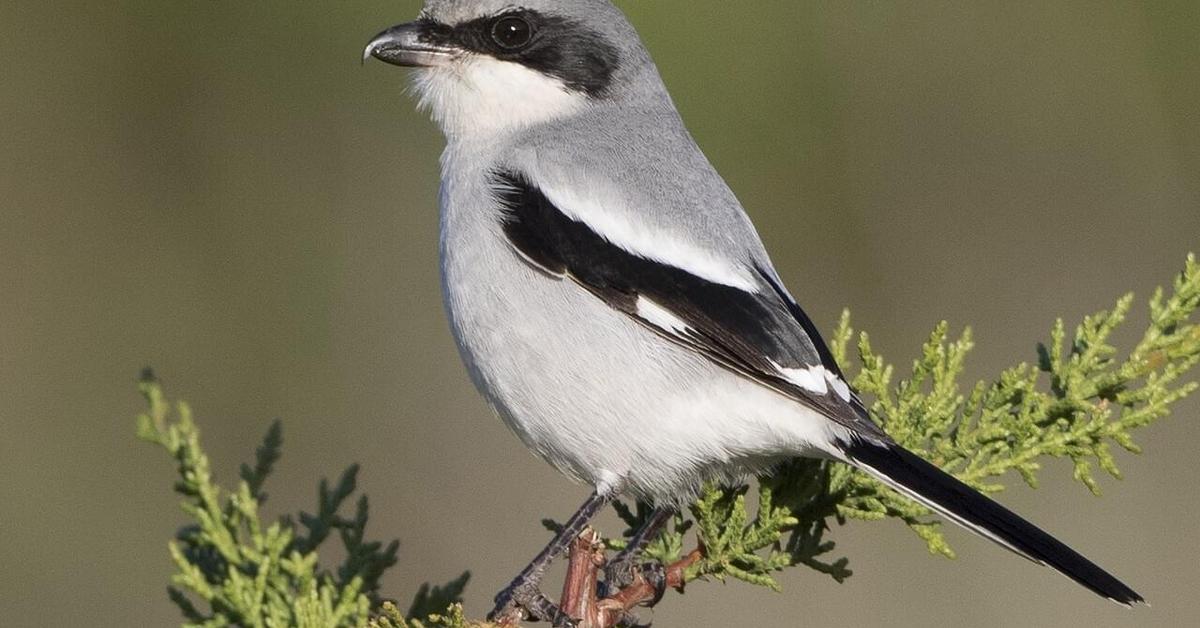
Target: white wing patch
{"x": 606, "y": 214}
{"x": 810, "y": 378}
{"x": 815, "y": 379}
{"x": 660, "y": 316}
{"x": 839, "y": 385}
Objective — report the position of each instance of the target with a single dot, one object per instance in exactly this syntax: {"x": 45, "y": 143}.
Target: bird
{"x": 610, "y": 297}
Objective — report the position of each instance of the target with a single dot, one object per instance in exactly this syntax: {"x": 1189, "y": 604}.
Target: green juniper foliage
{"x": 232, "y": 569}
{"x": 452, "y": 617}
{"x": 1076, "y": 402}
{"x": 1079, "y": 399}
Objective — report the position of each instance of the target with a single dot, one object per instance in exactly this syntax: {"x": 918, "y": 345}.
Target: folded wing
{"x": 750, "y": 327}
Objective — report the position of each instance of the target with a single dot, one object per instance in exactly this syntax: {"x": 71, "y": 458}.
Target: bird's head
{"x": 494, "y": 66}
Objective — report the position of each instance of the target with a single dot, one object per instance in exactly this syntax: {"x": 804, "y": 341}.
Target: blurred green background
{"x": 220, "y": 190}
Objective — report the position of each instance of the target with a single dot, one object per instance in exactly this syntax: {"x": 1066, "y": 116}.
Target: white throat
{"x": 478, "y": 96}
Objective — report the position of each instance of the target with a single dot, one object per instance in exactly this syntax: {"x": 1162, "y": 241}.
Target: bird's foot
{"x": 623, "y": 572}
{"x": 523, "y": 600}
{"x": 629, "y": 620}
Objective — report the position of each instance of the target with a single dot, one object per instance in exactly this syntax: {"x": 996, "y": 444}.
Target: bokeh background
{"x": 220, "y": 190}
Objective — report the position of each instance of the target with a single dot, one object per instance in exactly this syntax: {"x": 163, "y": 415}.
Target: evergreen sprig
{"x": 232, "y": 569}
{"x": 1079, "y": 399}
{"x": 453, "y": 617}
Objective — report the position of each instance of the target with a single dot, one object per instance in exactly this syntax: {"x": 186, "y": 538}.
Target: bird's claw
{"x": 629, "y": 620}
{"x": 622, "y": 573}
{"x": 524, "y": 600}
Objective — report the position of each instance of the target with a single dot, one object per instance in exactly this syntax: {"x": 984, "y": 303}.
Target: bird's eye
{"x": 511, "y": 32}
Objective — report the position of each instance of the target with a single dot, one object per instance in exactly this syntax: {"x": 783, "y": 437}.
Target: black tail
{"x": 936, "y": 489}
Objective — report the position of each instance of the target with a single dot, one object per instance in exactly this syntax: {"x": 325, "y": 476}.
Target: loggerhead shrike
{"x": 610, "y": 298}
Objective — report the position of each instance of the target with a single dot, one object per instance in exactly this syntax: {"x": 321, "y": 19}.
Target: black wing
{"x": 761, "y": 335}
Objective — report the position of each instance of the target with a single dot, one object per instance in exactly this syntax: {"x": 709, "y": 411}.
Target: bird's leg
{"x": 523, "y": 594}
{"x": 624, "y": 568}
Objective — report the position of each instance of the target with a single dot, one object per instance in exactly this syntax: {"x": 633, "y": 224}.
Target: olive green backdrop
{"x": 220, "y": 190}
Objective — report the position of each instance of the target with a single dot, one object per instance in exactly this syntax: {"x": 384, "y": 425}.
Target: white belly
{"x": 592, "y": 391}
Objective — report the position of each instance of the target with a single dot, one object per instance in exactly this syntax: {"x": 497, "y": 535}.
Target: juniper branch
{"x": 1078, "y": 400}
{"x": 232, "y": 569}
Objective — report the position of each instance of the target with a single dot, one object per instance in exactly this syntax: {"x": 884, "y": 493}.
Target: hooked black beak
{"x": 413, "y": 45}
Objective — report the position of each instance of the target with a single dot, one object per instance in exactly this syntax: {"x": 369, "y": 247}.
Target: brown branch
{"x": 643, "y": 592}
{"x": 584, "y": 561}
